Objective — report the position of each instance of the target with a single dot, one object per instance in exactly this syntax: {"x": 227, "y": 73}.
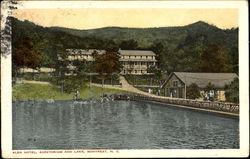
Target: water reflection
{"x": 104, "y": 124}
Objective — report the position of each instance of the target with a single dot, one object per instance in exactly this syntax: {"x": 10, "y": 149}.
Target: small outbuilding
{"x": 177, "y": 82}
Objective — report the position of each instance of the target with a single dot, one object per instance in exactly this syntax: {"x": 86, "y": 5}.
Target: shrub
{"x": 232, "y": 91}
{"x": 193, "y": 91}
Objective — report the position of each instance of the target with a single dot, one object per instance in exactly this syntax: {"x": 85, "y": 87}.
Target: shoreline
{"x": 225, "y": 109}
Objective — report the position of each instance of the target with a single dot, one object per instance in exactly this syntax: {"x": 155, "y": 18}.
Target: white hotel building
{"x": 133, "y": 61}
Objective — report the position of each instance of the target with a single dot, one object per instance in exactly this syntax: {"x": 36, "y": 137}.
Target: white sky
{"x": 89, "y": 18}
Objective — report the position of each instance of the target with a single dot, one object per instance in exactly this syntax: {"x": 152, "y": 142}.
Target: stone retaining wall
{"x": 217, "y": 106}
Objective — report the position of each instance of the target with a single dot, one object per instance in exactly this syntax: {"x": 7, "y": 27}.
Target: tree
{"x": 232, "y": 91}
{"x": 70, "y": 75}
{"x": 61, "y": 66}
{"x": 129, "y": 45}
{"x": 214, "y": 59}
{"x": 25, "y": 55}
{"x": 155, "y": 70}
{"x": 108, "y": 62}
{"x": 157, "y": 48}
{"x": 193, "y": 91}
{"x": 73, "y": 82}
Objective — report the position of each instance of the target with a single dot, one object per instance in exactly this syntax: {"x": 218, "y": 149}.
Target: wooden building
{"x": 133, "y": 61}
{"x": 177, "y": 82}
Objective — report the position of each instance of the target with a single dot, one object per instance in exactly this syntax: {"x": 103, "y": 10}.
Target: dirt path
{"x": 30, "y": 81}
{"x": 127, "y": 86}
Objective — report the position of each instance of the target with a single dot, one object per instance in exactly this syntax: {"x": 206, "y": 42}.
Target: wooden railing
{"x": 218, "y": 106}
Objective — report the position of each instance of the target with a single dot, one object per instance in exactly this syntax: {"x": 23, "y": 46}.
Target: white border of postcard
{"x": 6, "y": 114}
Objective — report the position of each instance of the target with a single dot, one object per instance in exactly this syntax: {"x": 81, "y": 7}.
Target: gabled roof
{"x": 83, "y": 51}
{"x": 137, "y": 52}
{"x": 219, "y": 80}
{"x": 122, "y": 52}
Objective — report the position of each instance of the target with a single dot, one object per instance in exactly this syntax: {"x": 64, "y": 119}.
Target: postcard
{"x": 106, "y": 79}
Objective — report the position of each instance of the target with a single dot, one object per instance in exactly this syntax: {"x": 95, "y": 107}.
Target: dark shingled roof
{"x": 122, "y": 52}
{"x": 219, "y": 80}
{"x": 137, "y": 52}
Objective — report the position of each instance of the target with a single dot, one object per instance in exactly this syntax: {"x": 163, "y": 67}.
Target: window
{"x": 175, "y": 83}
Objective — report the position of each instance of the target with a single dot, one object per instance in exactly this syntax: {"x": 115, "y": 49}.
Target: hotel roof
{"x": 122, "y": 52}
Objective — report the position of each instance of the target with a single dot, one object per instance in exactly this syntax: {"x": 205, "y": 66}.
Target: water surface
{"x": 118, "y": 125}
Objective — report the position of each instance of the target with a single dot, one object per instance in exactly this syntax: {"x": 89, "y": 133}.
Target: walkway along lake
{"x": 221, "y": 108}
{"x": 117, "y": 124}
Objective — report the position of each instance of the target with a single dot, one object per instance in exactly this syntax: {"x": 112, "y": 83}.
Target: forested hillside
{"x": 147, "y": 36}
{"x": 187, "y": 48}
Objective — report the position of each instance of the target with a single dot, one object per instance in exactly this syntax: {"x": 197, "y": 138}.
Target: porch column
{"x": 185, "y": 91}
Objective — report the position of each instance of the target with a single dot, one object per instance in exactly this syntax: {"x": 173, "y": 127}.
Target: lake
{"x": 107, "y": 124}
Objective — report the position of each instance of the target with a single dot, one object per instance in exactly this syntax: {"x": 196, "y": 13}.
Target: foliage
{"x": 68, "y": 79}
{"x": 176, "y": 48}
{"x": 72, "y": 83}
{"x": 209, "y": 87}
{"x": 214, "y": 59}
{"x": 24, "y": 55}
{"x": 129, "y": 45}
{"x": 232, "y": 91}
{"x": 108, "y": 62}
{"x": 49, "y": 41}
{"x": 193, "y": 91}
{"x": 155, "y": 70}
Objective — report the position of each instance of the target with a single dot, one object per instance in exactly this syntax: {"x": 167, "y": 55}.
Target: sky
{"x": 90, "y": 18}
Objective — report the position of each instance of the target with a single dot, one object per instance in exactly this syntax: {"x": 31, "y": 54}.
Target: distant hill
{"x": 147, "y": 36}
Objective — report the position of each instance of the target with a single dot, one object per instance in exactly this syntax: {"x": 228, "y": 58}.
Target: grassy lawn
{"x": 49, "y": 91}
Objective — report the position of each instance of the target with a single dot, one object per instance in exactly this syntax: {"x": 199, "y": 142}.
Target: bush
{"x": 232, "y": 91}
{"x": 193, "y": 91}
{"x": 71, "y": 83}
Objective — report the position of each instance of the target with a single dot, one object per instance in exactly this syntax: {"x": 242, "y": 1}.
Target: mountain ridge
{"x": 198, "y": 23}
